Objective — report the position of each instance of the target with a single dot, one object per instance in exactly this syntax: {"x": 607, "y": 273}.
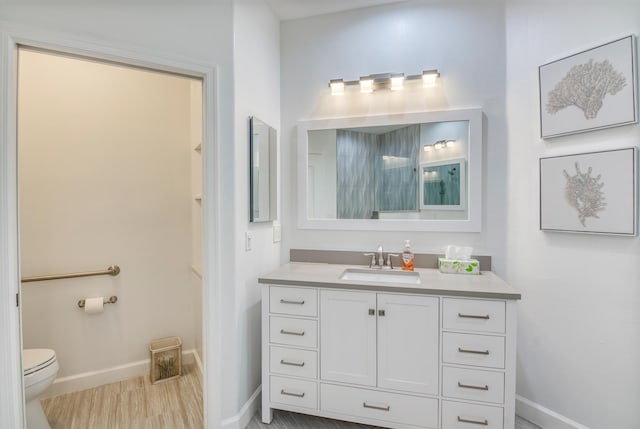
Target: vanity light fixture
{"x": 392, "y": 81}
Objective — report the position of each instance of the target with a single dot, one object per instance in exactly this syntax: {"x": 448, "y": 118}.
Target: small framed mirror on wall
{"x": 263, "y": 171}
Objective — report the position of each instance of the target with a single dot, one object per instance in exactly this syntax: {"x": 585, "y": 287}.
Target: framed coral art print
{"x": 590, "y": 90}
{"x": 591, "y": 192}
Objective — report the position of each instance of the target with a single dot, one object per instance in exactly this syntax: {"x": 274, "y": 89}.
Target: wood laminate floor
{"x": 131, "y": 404}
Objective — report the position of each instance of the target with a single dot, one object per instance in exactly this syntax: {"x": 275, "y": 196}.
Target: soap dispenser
{"x": 407, "y": 256}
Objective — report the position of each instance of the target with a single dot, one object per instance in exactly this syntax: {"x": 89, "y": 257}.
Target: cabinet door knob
{"x": 372, "y": 312}
{"x": 381, "y": 313}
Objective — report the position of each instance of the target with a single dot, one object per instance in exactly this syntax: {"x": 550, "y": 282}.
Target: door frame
{"x": 11, "y": 387}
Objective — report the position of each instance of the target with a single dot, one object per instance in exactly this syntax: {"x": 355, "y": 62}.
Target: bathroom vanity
{"x": 389, "y": 348}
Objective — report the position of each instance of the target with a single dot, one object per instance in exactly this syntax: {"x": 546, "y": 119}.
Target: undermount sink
{"x": 386, "y": 276}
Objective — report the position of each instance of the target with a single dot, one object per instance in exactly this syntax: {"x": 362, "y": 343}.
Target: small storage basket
{"x": 166, "y": 359}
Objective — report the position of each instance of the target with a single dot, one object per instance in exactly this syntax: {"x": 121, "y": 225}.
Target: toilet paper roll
{"x": 94, "y": 305}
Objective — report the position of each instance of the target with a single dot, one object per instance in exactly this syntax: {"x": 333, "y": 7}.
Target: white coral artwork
{"x": 585, "y": 87}
{"x": 584, "y": 193}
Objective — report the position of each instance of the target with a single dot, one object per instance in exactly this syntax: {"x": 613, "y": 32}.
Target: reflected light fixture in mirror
{"x": 392, "y": 81}
{"x": 440, "y": 144}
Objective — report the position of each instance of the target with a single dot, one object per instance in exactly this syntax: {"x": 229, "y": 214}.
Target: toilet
{"x": 40, "y": 367}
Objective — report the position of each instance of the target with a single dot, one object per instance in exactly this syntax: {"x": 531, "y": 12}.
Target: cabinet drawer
{"x": 470, "y": 349}
{"x": 296, "y": 362}
{"x": 474, "y": 384}
{"x": 294, "y": 332}
{"x": 383, "y": 406}
{"x": 456, "y": 415}
{"x": 473, "y": 315}
{"x": 295, "y": 301}
{"x": 291, "y": 391}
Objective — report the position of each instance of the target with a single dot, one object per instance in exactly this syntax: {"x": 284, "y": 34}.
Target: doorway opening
{"x": 110, "y": 172}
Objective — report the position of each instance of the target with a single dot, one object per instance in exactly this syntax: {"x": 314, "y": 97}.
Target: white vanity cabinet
{"x": 387, "y": 357}
{"x": 380, "y": 340}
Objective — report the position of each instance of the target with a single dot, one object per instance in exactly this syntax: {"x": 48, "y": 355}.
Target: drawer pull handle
{"x": 477, "y": 352}
{"x": 286, "y": 362}
{"x": 282, "y": 331}
{"x": 474, "y": 316}
{"x": 297, "y": 395}
{"x": 286, "y": 301}
{"x": 375, "y": 407}
{"x": 471, "y": 386}
{"x": 475, "y": 422}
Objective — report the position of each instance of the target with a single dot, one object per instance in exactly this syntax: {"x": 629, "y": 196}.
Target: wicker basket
{"x": 166, "y": 359}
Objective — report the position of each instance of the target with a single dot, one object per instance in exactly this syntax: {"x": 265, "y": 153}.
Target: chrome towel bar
{"x": 113, "y": 270}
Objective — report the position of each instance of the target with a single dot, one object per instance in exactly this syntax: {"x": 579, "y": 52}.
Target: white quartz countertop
{"x": 432, "y": 281}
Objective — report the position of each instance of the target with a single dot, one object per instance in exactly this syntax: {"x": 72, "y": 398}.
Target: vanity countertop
{"x": 432, "y": 281}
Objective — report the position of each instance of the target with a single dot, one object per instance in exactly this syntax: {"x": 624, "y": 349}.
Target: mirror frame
{"x": 474, "y": 173}
{"x": 273, "y": 172}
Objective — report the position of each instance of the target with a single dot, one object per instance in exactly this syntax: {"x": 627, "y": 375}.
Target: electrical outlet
{"x": 248, "y": 240}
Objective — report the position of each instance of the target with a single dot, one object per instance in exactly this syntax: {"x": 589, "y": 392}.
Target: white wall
{"x": 104, "y": 178}
{"x": 579, "y": 323}
{"x": 462, "y": 39}
{"x": 257, "y": 93}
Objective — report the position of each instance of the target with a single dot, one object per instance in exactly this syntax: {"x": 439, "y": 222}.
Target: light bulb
{"x": 337, "y": 86}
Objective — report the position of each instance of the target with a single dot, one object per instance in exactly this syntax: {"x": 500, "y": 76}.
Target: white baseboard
{"x": 242, "y": 419}
{"x": 88, "y": 380}
{"x": 544, "y": 417}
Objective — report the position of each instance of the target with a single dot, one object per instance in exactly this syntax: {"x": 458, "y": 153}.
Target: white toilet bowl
{"x": 40, "y": 367}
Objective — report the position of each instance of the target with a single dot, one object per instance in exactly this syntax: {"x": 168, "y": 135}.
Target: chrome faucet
{"x": 377, "y": 259}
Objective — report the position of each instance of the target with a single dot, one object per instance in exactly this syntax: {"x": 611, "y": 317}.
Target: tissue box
{"x": 455, "y": 266}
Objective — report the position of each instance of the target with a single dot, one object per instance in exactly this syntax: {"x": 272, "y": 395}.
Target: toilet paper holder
{"x": 112, "y": 300}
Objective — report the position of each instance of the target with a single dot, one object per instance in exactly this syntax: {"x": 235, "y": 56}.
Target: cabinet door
{"x": 348, "y": 337}
{"x": 408, "y": 343}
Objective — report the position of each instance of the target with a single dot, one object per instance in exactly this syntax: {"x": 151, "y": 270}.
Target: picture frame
{"x": 594, "y": 192}
{"x": 568, "y": 105}
{"x": 443, "y": 185}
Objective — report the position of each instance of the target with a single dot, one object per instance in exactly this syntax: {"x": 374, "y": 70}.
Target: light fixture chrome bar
{"x": 393, "y": 81}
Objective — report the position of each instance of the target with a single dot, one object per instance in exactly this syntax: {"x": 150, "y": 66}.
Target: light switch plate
{"x": 277, "y": 232}
{"x": 248, "y": 240}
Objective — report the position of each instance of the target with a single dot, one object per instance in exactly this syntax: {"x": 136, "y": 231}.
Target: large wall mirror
{"x": 263, "y": 171}
{"x": 418, "y": 171}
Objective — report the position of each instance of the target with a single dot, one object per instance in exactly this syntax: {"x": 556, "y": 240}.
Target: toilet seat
{"x": 34, "y": 360}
